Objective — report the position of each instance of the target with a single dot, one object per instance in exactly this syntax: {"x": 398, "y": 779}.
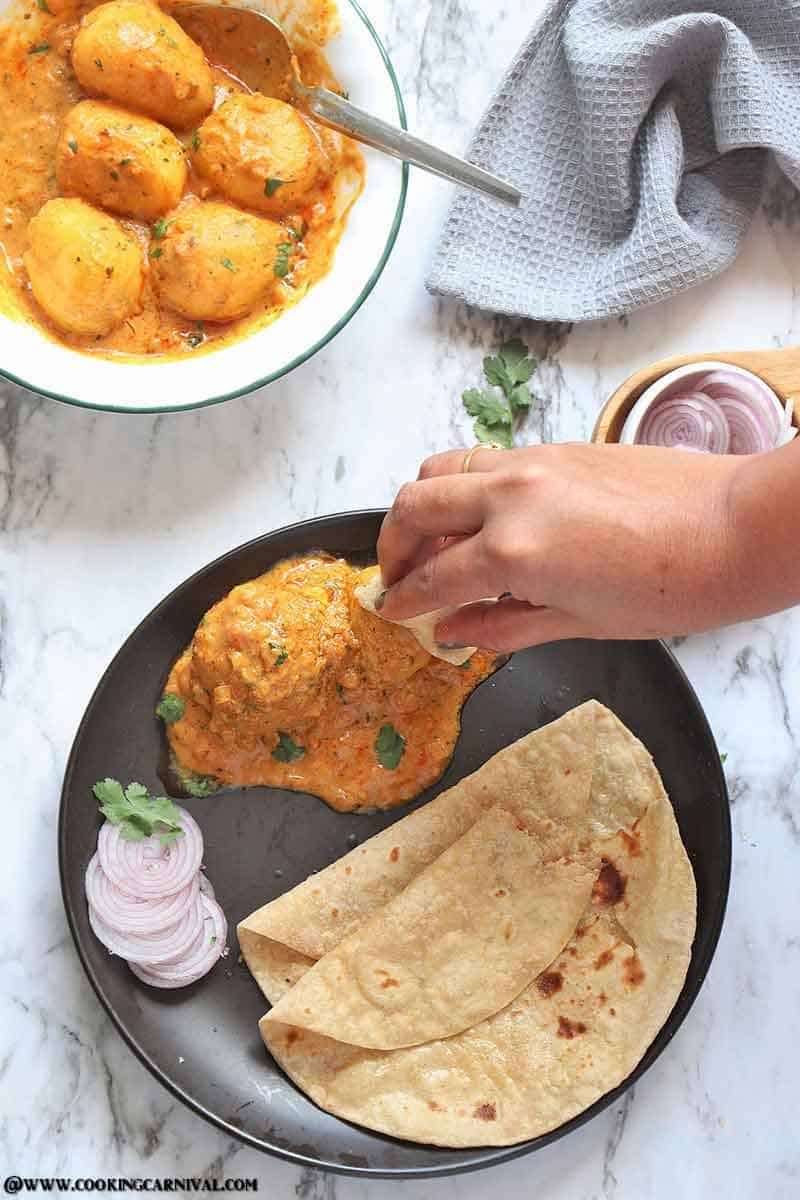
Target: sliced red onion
{"x": 692, "y": 421}
{"x": 198, "y": 960}
{"x": 757, "y": 395}
{"x": 749, "y": 434}
{"x": 126, "y": 914}
{"x": 788, "y": 430}
{"x": 206, "y": 886}
{"x": 159, "y": 946}
{"x": 148, "y": 869}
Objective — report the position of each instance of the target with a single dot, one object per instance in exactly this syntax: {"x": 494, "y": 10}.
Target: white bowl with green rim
{"x": 35, "y": 361}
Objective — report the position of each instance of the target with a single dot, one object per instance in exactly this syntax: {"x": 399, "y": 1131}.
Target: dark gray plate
{"x": 202, "y": 1042}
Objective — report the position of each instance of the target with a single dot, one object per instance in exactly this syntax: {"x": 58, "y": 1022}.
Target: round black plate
{"x": 202, "y": 1042}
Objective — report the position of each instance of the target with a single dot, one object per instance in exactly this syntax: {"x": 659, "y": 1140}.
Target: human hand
{"x": 590, "y": 541}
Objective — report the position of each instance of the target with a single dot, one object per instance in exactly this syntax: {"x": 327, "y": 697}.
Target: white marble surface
{"x": 101, "y": 515}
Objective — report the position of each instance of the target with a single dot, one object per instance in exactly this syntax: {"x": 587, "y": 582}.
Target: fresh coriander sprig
{"x": 496, "y": 410}
{"x": 138, "y": 814}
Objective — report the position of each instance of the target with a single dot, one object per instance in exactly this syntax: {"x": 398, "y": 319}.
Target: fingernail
{"x": 380, "y": 600}
{"x": 452, "y": 645}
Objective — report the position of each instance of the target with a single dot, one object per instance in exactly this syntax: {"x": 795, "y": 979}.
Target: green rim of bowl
{"x": 312, "y": 350}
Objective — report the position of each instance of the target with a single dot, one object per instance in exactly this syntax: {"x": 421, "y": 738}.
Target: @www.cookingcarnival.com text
{"x": 16, "y": 1184}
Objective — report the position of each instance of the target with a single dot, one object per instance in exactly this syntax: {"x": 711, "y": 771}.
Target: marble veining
{"x": 101, "y": 515}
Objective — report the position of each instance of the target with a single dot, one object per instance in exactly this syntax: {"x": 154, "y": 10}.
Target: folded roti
{"x": 422, "y": 627}
{"x": 465, "y": 937}
{"x": 546, "y": 780}
{"x": 574, "y": 1033}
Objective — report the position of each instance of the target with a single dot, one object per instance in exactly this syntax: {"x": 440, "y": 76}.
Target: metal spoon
{"x": 273, "y": 69}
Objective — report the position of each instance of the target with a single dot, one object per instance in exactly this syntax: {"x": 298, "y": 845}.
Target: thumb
{"x": 506, "y": 625}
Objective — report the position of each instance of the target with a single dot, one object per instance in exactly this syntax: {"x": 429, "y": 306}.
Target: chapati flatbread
{"x": 422, "y": 627}
{"x": 465, "y": 937}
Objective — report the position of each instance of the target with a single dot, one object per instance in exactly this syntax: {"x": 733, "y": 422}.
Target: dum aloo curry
{"x": 289, "y": 682}
{"x": 152, "y": 205}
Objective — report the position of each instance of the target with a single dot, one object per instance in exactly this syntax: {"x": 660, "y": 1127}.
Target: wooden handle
{"x": 778, "y": 368}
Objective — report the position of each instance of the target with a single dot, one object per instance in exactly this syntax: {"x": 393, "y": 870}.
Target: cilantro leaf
{"x": 390, "y": 746}
{"x": 283, "y": 249}
{"x": 42, "y": 6}
{"x": 160, "y": 225}
{"x": 170, "y": 708}
{"x": 487, "y": 407}
{"x": 73, "y": 145}
{"x": 282, "y": 653}
{"x": 497, "y": 434}
{"x": 137, "y": 813}
{"x": 518, "y": 363}
{"x": 228, "y": 265}
{"x": 271, "y": 186}
{"x": 196, "y": 785}
{"x": 495, "y": 371}
{"x": 196, "y": 141}
{"x": 287, "y": 749}
{"x": 520, "y": 399}
{"x": 41, "y": 48}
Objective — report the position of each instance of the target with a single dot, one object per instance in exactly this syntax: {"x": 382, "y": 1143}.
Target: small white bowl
{"x": 29, "y": 358}
{"x": 665, "y": 382}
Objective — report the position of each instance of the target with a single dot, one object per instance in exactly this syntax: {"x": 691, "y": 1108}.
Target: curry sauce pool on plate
{"x": 289, "y": 682}
{"x": 103, "y": 111}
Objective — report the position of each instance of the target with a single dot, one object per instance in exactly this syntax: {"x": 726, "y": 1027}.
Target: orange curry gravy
{"x": 37, "y": 89}
{"x": 288, "y": 682}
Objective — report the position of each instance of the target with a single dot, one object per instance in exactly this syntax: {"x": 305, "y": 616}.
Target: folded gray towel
{"x": 639, "y": 132}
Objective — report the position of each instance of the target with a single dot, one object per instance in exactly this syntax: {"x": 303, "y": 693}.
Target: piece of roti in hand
{"x": 422, "y": 627}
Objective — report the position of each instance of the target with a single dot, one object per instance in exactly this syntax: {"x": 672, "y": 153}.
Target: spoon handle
{"x": 336, "y": 112}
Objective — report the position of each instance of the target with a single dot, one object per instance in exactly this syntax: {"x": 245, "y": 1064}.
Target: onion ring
{"x": 692, "y": 421}
{"x": 200, "y": 957}
{"x": 147, "y": 869}
{"x": 126, "y": 914}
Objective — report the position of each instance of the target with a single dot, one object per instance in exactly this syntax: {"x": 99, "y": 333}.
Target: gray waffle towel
{"x": 639, "y": 133}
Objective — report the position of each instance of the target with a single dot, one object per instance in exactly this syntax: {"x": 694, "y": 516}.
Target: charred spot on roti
{"x": 604, "y": 959}
{"x": 485, "y": 1112}
{"x": 394, "y": 854}
{"x": 570, "y": 1029}
{"x": 389, "y": 982}
{"x": 500, "y": 892}
{"x": 550, "y": 982}
{"x": 609, "y": 887}
{"x": 294, "y": 1035}
{"x": 434, "y": 1107}
{"x": 633, "y": 970}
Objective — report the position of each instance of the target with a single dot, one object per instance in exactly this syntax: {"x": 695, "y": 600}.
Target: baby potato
{"x": 135, "y": 54}
{"x": 86, "y": 271}
{"x": 119, "y": 161}
{"x": 260, "y": 152}
{"x": 214, "y": 262}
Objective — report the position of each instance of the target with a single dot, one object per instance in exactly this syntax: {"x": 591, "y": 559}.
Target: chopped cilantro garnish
{"x": 137, "y": 813}
{"x": 196, "y": 140}
{"x": 228, "y": 265}
{"x": 287, "y": 749}
{"x": 73, "y": 145}
{"x": 124, "y": 162}
{"x": 390, "y": 746}
{"x": 42, "y": 6}
{"x": 170, "y": 708}
{"x": 159, "y": 227}
{"x": 282, "y": 259}
{"x": 114, "y": 174}
{"x": 197, "y": 785}
{"x": 40, "y": 48}
{"x": 495, "y": 411}
{"x": 156, "y": 252}
{"x": 282, "y": 653}
{"x": 271, "y": 186}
